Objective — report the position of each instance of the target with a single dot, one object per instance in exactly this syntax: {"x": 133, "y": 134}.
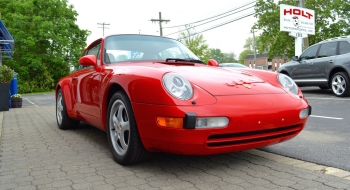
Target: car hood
{"x": 219, "y": 81}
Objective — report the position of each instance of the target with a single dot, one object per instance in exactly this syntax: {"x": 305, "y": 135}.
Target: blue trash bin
{"x": 13, "y": 87}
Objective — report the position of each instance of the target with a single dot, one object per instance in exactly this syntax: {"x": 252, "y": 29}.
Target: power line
{"x": 103, "y": 27}
{"x": 236, "y": 8}
{"x": 222, "y": 24}
{"x": 212, "y": 20}
{"x": 160, "y": 20}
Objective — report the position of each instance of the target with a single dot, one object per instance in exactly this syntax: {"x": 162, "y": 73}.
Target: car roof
{"x": 340, "y": 38}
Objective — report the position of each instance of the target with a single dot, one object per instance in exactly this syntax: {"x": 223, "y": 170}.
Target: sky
{"x": 133, "y": 17}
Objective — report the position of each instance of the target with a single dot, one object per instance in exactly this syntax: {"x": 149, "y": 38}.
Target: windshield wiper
{"x": 184, "y": 60}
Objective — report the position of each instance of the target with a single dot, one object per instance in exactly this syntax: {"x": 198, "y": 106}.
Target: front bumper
{"x": 254, "y": 121}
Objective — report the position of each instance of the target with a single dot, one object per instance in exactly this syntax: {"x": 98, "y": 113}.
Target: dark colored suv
{"x": 325, "y": 64}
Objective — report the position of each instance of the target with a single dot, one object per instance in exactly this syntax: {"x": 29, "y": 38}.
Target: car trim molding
{"x": 310, "y": 80}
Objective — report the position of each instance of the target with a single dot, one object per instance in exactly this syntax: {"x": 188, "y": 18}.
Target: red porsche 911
{"x": 152, "y": 94}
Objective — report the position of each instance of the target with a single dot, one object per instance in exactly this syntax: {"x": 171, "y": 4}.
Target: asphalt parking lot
{"x": 35, "y": 154}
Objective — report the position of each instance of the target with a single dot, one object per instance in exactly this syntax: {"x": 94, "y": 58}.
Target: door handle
{"x": 331, "y": 61}
{"x": 311, "y": 63}
{"x": 75, "y": 80}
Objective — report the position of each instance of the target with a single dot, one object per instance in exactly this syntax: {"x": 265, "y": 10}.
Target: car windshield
{"x": 121, "y": 48}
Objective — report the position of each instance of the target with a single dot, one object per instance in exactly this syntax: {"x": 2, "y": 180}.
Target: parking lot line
{"x": 326, "y": 117}
{"x": 31, "y": 102}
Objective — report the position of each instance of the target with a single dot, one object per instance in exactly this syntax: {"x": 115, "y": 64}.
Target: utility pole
{"x": 103, "y": 27}
{"x": 253, "y": 31}
{"x": 305, "y": 40}
{"x": 160, "y": 23}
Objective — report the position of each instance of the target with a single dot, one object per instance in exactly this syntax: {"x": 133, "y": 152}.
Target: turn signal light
{"x": 171, "y": 122}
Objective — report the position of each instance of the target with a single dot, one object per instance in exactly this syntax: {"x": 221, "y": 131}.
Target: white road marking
{"x": 326, "y": 117}
{"x": 31, "y": 102}
{"x": 316, "y": 98}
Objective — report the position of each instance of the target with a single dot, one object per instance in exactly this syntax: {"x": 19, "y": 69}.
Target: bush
{"x": 16, "y": 96}
{"x": 6, "y": 74}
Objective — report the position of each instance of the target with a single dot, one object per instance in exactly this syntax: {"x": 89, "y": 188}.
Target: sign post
{"x": 299, "y": 22}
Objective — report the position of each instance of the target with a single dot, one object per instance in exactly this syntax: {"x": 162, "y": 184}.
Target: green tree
{"x": 47, "y": 41}
{"x": 217, "y": 55}
{"x": 222, "y": 57}
{"x": 248, "y": 48}
{"x": 244, "y": 54}
{"x": 331, "y": 19}
{"x": 229, "y": 58}
{"x": 195, "y": 42}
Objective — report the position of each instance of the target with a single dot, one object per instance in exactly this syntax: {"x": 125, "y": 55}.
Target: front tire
{"x": 340, "y": 84}
{"x": 62, "y": 118}
{"x": 122, "y": 133}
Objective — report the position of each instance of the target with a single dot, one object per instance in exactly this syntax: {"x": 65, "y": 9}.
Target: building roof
{"x": 7, "y": 42}
{"x": 263, "y": 55}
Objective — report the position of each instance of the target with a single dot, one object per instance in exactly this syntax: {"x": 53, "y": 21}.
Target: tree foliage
{"x": 331, "y": 19}
{"x": 47, "y": 41}
{"x": 248, "y": 48}
{"x": 244, "y": 54}
{"x": 222, "y": 57}
{"x": 195, "y": 42}
{"x": 249, "y": 43}
{"x": 230, "y": 58}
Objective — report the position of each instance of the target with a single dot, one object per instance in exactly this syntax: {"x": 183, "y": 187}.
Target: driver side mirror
{"x": 88, "y": 60}
{"x": 295, "y": 58}
{"x": 213, "y": 62}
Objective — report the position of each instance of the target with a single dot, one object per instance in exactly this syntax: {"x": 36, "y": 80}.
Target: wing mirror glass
{"x": 295, "y": 58}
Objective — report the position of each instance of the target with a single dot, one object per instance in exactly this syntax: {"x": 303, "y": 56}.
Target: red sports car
{"x": 152, "y": 94}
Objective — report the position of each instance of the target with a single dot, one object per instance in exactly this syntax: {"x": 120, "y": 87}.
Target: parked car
{"x": 152, "y": 94}
{"x": 233, "y": 65}
{"x": 325, "y": 64}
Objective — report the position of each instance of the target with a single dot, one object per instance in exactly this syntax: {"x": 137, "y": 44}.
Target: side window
{"x": 328, "y": 49}
{"x": 310, "y": 53}
{"x": 95, "y": 50}
{"x": 344, "y": 48}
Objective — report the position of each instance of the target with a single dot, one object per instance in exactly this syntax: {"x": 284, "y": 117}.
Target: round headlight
{"x": 288, "y": 83}
{"x": 178, "y": 86}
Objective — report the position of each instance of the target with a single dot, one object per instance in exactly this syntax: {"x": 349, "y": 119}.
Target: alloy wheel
{"x": 119, "y": 127}
{"x": 338, "y": 84}
{"x": 59, "y": 108}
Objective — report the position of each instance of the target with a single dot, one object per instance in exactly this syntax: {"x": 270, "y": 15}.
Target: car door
{"x": 87, "y": 88}
{"x": 302, "y": 72}
{"x": 326, "y": 57}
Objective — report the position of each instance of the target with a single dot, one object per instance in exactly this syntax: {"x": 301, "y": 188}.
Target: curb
{"x": 302, "y": 164}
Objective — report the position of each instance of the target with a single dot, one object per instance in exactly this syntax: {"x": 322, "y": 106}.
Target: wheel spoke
{"x": 342, "y": 83}
{"x": 122, "y": 141}
{"x": 125, "y": 125}
{"x": 120, "y": 112}
{"x": 115, "y": 122}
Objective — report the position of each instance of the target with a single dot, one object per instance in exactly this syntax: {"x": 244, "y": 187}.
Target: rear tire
{"x": 122, "y": 133}
{"x": 62, "y": 118}
{"x": 340, "y": 84}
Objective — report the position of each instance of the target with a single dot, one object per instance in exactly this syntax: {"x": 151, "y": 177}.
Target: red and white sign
{"x": 297, "y": 19}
